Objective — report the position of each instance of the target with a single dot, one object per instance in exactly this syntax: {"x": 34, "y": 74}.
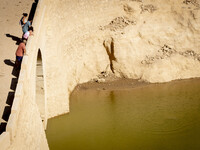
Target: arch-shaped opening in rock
{"x": 40, "y": 92}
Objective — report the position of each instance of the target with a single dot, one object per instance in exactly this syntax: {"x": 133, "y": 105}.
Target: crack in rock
{"x": 109, "y": 46}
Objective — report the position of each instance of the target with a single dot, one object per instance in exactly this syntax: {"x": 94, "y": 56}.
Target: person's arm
{"x": 29, "y": 23}
{"x": 25, "y": 50}
{"x": 24, "y": 20}
{"x": 31, "y": 33}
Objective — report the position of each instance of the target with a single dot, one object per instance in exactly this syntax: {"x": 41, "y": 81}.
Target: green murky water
{"x": 154, "y": 117}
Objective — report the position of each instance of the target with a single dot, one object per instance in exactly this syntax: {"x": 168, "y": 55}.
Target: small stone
{"x": 101, "y": 80}
{"x": 95, "y": 80}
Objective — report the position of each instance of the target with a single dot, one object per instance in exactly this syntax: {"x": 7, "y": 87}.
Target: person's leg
{"x": 18, "y": 62}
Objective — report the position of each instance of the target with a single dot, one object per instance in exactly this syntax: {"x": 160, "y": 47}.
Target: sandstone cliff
{"x": 150, "y": 40}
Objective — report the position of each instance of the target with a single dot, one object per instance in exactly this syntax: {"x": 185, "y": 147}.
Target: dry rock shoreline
{"x": 110, "y": 83}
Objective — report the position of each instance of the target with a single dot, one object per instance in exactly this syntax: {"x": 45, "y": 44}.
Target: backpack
{"x": 21, "y": 22}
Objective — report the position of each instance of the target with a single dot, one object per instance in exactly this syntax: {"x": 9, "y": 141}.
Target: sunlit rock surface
{"x": 149, "y": 40}
{"x": 154, "y": 41}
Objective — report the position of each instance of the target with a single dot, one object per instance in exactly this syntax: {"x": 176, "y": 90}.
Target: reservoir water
{"x": 152, "y": 117}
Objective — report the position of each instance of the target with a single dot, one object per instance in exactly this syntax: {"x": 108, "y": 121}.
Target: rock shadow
{"x": 12, "y": 63}
{"x": 9, "y": 62}
{"x": 6, "y": 113}
{"x": 10, "y": 98}
{"x": 2, "y": 127}
{"x": 13, "y": 84}
{"x": 109, "y": 46}
{"x": 33, "y": 9}
{"x": 14, "y": 38}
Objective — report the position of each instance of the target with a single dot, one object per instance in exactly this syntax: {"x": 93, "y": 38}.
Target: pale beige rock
{"x": 84, "y": 37}
{"x": 10, "y": 30}
{"x": 154, "y": 41}
{"x": 5, "y": 140}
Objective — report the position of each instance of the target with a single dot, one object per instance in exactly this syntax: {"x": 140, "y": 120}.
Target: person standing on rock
{"x": 26, "y": 26}
{"x": 20, "y": 52}
{"x": 23, "y": 20}
{"x": 28, "y": 33}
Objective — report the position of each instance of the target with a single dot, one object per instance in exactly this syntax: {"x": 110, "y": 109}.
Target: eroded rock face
{"x": 155, "y": 41}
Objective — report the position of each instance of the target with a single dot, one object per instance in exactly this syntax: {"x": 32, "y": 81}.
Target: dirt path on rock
{"x": 10, "y": 33}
